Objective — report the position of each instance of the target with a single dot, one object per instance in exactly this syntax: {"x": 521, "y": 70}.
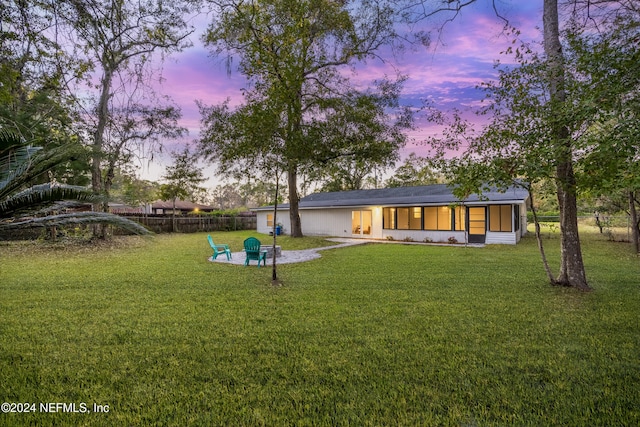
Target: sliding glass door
{"x": 361, "y": 223}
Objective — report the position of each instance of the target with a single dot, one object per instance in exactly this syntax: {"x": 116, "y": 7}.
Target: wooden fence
{"x": 156, "y": 223}
{"x": 194, "y": 223}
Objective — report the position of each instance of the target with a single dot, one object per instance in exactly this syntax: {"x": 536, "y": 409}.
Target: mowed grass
{"x": 372, "y": 335}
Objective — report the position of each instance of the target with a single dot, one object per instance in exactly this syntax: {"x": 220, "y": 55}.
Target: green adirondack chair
{"x": 252, "y": 249}
{"x": 219, "y": 249}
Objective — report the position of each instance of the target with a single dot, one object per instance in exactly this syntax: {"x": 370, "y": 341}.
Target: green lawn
{"x": 372, "y": 335}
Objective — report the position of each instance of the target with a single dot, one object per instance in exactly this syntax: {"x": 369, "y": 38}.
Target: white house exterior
{"x": 423, "y": 214}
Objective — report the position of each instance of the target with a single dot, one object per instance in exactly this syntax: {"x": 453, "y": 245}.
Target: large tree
{"x": 295, "y": 55}
{"x": 547, "y": 116}
{"x": 414, "y": 171}
{"x": 33, "y": 100}
{"x": 562, "y": 146}
{"x": 117, "y": 40}
{"x": 131, "y": 190}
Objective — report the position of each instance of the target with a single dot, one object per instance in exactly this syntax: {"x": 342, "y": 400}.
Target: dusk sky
{"x": 446, "y": 73}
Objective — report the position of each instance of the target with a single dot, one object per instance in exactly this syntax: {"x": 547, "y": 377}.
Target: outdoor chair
{"x": 252, "y": 249}
{"x": 219, "y": 249}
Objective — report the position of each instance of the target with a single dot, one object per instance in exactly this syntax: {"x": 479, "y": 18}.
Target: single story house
{"x": 165, "y": 207}
{"x": 428, "y": 213}
{"x": 121, "y": 208}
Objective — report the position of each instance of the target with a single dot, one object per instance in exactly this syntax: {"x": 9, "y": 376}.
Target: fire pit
{"x": 269, "y": 249}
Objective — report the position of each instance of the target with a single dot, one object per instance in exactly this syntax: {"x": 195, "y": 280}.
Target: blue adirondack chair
{"x": 219, "y": 249}
{"x": 252, "y": 249}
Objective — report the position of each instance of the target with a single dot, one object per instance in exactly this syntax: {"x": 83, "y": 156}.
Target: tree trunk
{"x": 572, "y": 271}
{"x": 97, "y": 184}
{"x": 106, "y": 184}
{"x": 571, "y": 265}
{"x": 294, "y": 200}
{"x": 98, "y": 136}
{"x": 274, "y": 269}
{"x": 635, "y": 225}
{"x": 536, "y": 223}
{"x": 174, "y": 227}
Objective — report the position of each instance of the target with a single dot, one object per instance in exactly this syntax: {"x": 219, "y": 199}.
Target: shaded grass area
{"x": 379, "y": 334}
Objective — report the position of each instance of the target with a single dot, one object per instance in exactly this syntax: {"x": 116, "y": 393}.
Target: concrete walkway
{"x": 290, "y": 257}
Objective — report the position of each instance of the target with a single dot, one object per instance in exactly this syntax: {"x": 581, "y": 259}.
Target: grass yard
{"x": 371, "y": 335}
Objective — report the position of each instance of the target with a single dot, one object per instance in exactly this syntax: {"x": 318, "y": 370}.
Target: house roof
{"x": 180, "y": 205}
{"x": 405, "y": 196}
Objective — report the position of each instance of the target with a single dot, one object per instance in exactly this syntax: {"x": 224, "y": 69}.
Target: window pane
{"x": 270, "y": 220}
{"x": 403, "y": 218}
{"x": 505, "y": 218}
{"x": 460, "y": 219}
{"x": 389, "y": 218}
{"x": 355, "y": 222}
{"x": 494, "y": 218}
{"x": 415, "y": 220}
{"x": 444, "y": 218}
{"x": 366, "y": 222}
{"x": 500, "y": 218}
{"x": 430, "y": 218}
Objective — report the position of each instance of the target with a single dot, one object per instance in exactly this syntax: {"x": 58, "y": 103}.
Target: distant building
{"x": 121, "y": 208}
{"x": 182, "y": 207}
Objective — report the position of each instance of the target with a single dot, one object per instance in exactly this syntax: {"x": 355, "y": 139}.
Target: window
{"x": 441, "y": 218}
{"x": 403, "y": 218}
{"x": 459, "y": 218}
{"x": 430, "y": 218}
{"x": 444, "y": 218}
{"x": 500, "y": 218}
{"x": 409, "y": 218}
{"x": 437, "y": 218}
{"x": 389, "y": 218}
{"x": 415, "y": 219}
{"x": 269, "y": 220}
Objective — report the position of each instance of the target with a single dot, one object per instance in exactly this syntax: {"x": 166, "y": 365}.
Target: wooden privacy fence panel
{"x": 156, "y": 223}
{"x": 193, "y": 224}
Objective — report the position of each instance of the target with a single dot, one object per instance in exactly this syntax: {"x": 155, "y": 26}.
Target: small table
{"x": 269, "y": 250}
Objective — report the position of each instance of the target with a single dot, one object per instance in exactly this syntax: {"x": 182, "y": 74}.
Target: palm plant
{"x": 25, "y": 205}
